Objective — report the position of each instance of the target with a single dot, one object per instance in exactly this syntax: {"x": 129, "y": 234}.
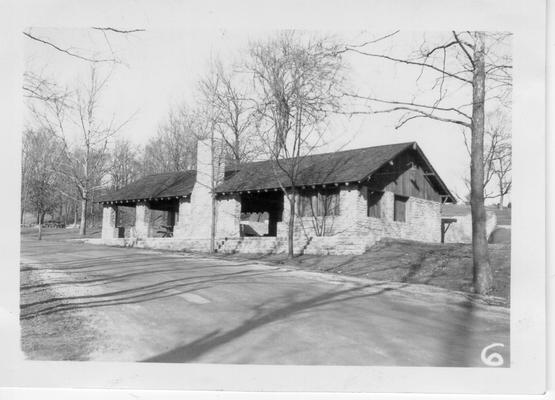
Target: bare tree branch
{"x": 68, "y": 51}
{"x": 124, "y": 31}
{"x": 409, "y": 62}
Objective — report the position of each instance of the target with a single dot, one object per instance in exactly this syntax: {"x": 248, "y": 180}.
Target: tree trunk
{"x": 92, "y": 208}
{"x": 40, "y": 222}
{"x": 75, "y": 213}
{"x": 83, "y": 224}
{"x": 482, "y": 276}
{"x": 291, "y": 225}
{"x": 213, "y": 225}
{"x": 501, "y": 193}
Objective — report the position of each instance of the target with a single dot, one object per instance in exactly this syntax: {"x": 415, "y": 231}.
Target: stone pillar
{"x": 387, "y": 205}
{"x": 142, "y": 220}
{"x": 229, "y": 216}
{"x": 183, "y": 227}
{"x": 109, "y": 230}
{"x": 348, "y": 202}
{"x": 283, "y": 226}
{"x": 210, "y": 171}
{"x": 352, "y": 211}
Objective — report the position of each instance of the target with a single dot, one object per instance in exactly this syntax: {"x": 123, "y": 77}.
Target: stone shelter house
{"x": 346, "y": 201}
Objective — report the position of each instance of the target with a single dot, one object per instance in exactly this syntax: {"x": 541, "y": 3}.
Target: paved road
{"x": 139, "y": 305}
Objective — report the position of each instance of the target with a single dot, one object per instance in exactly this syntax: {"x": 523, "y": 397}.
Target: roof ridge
{"x": 168, "y": 173}
{"x": 331, "y": 152}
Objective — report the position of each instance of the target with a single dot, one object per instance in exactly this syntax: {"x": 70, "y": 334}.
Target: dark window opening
{"x": 164, "y": 216}
{"x": 374, "y": 207}
{"x": 400, "y": 208}
{"x": 321, "y": 203}
{"x": 125, "y": 216}
{"x": 260, "y": 213}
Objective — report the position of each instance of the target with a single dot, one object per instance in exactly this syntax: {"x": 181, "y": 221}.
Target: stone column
{"x": 183, "y": 227}
{"x": 210, "y": 171}
{"x": 283, "y": 226}
{"x": 387, "y": 205}
{"x": 109, "y": 230}
{"x": 142, "y": 220}
{"x": 229, "y": 216}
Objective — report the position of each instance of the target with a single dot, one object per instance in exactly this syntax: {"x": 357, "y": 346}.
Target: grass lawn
{"x": 444, "y": 265}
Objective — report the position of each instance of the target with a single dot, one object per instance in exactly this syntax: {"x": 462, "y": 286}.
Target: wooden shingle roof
{"x": 318, "y": 169}
{"x": 166, "y": 185}
{"x": 329, "y": 168}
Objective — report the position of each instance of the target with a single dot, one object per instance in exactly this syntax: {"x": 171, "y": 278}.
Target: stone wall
{"x": 461, "y": 231}
{"x": 188, "y": 245}
{"x": 423, "y": 219}
{"x": 325, "y": 245}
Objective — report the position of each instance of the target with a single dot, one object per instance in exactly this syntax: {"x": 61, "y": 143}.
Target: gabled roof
{"x": 316, "y": 169}
{"x": 329, "y": 168}
{"x": 168, "y": 184}
{"x": 319, "y": 169}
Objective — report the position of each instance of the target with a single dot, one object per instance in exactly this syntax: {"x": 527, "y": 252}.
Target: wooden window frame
{"x": 397, "y": 199}
{"x": 377, "y": 206}
{"x": 315, "y": 203}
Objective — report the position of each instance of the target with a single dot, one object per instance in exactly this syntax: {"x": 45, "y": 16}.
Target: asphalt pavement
{"x": 153, "y": 306}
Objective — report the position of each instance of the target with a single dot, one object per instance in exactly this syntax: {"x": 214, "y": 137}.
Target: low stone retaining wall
{"x": 324, "y": 245}
{"x": 193, "y": 245}
{"x": 461, "y": 231}
{"x": 339, "y": 245}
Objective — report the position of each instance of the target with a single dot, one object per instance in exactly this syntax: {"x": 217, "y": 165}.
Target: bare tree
{"x": 174, "y": 147}
{"x": 497, "y": 157}
{"x": 42, "y": 155}
{"x": 477, "y": 66}
{"x": 298, "y": 80}
{"x": 124, "y": 164}
{"x": 234, "y": 112}
{"x": 76, "y": 118}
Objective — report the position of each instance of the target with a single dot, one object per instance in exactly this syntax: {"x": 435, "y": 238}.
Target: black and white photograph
{"x": 231, "y": 196}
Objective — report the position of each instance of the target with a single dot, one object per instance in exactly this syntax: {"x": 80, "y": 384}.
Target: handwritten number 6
{"x": 493, "y": 359}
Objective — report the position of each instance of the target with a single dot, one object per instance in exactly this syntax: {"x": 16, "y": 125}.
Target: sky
{"x": 160, "y": 69}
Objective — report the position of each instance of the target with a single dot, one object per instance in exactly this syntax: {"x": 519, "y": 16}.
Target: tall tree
{"x": 76, "y": 118}
{"x": 476, "y": 67}
{"x": 298, "y": 81}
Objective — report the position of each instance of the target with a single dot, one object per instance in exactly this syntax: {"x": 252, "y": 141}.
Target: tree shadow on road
{"x": 137, "y": 294}
{"x": 193, "y": 350}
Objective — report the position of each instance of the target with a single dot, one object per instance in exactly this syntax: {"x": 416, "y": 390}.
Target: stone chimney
{"x": 210, "y": 172}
